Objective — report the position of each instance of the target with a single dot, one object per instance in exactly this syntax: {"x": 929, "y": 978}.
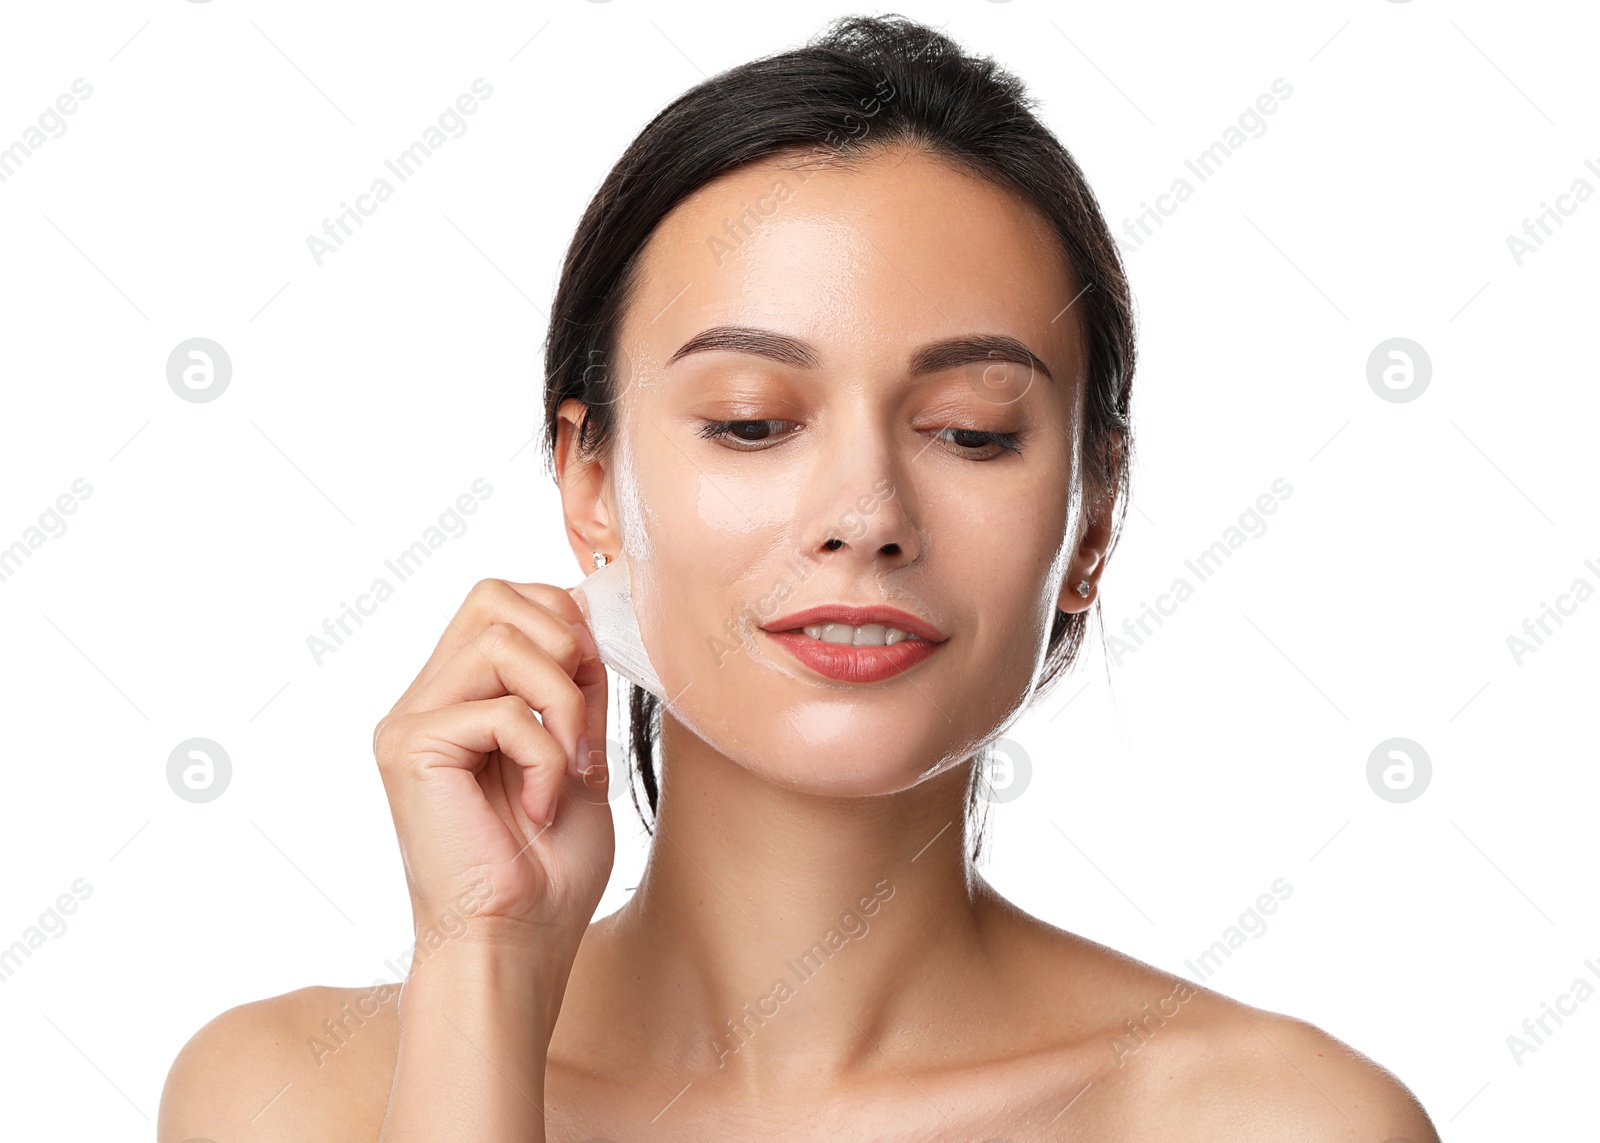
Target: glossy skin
{"x": 942, "y": 1011}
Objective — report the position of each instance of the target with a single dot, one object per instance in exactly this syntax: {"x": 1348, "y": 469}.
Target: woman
{"x": 841, "y": 352}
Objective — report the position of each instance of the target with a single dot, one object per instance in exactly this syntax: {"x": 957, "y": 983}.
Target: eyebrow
{"x": 934, "y": 357}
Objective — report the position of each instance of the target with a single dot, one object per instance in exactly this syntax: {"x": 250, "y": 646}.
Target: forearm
{"x": 475, "y": 1024}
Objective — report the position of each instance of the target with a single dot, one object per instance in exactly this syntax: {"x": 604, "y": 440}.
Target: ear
{"x": 584, "y": 485}
{"x": 1088, "y": 560}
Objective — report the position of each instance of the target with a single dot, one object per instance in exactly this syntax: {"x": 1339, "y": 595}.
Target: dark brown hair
{"x": 863, "y": 83}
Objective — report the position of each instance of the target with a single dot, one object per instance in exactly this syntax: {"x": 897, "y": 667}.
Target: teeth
{"x": 871, "y": 635}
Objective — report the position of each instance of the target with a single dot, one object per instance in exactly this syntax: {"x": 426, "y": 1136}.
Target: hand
{"x": 473, "y": 776}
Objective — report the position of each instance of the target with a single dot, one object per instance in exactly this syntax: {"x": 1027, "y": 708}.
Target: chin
{"x": 830, "y": 739}
{"x": 849, "y": 780}
{"x": 833, "y": 757}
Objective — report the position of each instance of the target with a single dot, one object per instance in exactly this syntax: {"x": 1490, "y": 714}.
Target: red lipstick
{"x": 853, "y": 664}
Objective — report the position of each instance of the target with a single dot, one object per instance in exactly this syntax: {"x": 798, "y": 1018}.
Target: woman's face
{"x": 949, "y": 472}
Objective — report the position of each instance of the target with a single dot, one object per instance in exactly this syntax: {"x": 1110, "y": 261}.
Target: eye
{"x": 741, "y": 433}
{"x": 974, "y": 441}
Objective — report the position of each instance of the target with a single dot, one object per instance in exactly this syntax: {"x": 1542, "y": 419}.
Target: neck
{"x": 775, "y": 934}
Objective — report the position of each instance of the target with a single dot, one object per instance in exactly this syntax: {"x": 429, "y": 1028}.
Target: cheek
{"x": 716, "y": 513}
{"x": 741, "y": 517}
{"x": 995, "y": 547}
{"x": 704, "y": 534}
{"x": 1011, "y": 570}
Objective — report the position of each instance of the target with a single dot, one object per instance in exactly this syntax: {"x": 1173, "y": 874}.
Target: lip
{"x": 855, "y": 616}
{"x": 855, "y": 664}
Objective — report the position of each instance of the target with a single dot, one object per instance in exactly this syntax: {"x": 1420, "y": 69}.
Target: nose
{"x": 872, "y": 522}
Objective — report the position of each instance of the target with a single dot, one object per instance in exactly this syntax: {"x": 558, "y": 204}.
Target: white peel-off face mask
{"x": 606, "y": 599}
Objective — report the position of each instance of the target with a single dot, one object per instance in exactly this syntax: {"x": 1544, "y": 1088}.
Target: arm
{"x": 475, "y": 1025}
{"x": 476, "y": 757}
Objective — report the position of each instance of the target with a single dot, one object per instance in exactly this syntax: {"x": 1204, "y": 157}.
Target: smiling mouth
{"x": 867, "y": 635}
{"x": 856, "y": 642}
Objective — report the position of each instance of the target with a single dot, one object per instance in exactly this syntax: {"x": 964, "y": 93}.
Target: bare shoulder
{"x": 1245, "y": 1073}
{"x": 313, "y": 1063}
{"x": 1186, "y": 1062}
{"x": 1146, "y": 1054}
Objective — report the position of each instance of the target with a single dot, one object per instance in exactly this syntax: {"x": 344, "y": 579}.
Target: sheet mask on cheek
{"x": 606, "y": 599}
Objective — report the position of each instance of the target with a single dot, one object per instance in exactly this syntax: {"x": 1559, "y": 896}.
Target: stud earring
{"x": 1082, "y": 588}
{"x": 600, "y": 560}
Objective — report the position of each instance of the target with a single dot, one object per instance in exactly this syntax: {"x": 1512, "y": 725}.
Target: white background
{"x": 1228, "y": 750}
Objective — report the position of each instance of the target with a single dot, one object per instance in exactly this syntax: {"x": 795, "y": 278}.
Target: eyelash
{"x": 721, "y": 430}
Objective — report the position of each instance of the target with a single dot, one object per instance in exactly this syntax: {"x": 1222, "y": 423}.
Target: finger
{"x": 534, "y": 607}
{"x": 556, "y": 599}
{"x": 461, "y": 736}
{"x": 504, "y": 660}
{"x": 590, "y": 679}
